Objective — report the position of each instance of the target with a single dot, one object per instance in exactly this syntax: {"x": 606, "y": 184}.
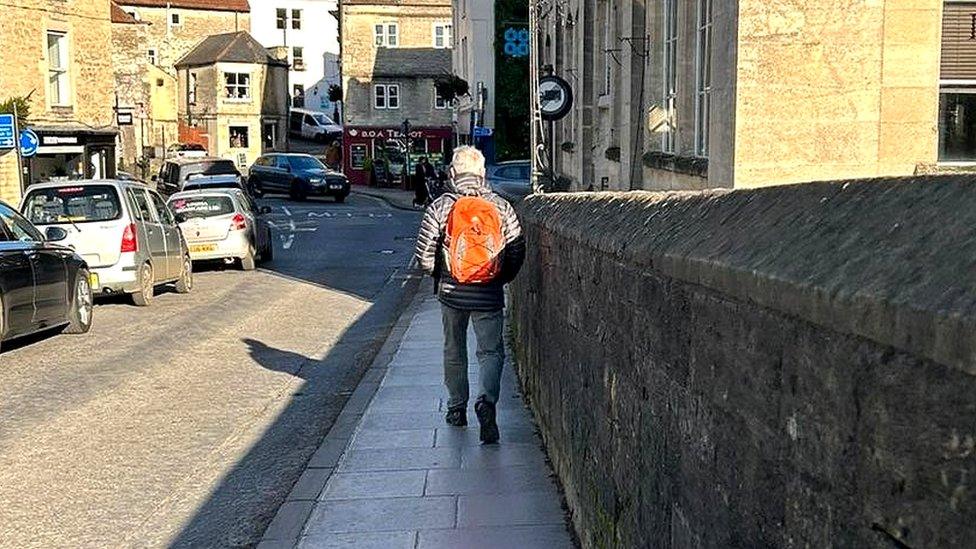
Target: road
{"x": 187, "y": 423}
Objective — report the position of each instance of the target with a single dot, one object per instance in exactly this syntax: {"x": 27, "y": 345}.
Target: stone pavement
{"x": 406, "y": 479}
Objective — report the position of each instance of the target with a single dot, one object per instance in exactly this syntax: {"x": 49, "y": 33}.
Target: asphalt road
{"x": 187, "y": 423}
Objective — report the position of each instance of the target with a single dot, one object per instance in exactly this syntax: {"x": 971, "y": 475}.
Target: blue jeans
{"x": 491, "y": 353}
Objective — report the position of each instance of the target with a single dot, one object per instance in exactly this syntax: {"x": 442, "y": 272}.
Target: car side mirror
{"x": 264, "y": 210}
{"x": 179, "y": 217}
{"x": 55, "y": 234}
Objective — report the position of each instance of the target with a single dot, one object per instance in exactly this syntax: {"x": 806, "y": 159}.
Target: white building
{"x": 310, "y": 31}
{"x": 474, "y": 61}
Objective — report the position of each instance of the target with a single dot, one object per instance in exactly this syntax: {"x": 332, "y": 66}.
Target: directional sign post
{"x": 8, "y": 131}
{"x": 28, "y": 143}
{"x": 481, "y": 131}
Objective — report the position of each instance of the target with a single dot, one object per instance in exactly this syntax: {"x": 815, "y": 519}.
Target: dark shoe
{"x": 486, "y": 416}
{"x": 457, "y": 417}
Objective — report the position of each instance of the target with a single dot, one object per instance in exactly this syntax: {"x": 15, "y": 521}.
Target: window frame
{"x": 669, "y": 66}
{"x": 281, "y": 18}
{"x": 383, "y": 38}
{"x": 703, "y": 77}
{"x": 237, "y": 86}
{"x": 608, "y": 28}
{"x": 447, "y": 36}
{"x": 175, "y": 19}
{"x": 296, "y": 19}
{"x": 387, "y": 96}
{"x": 60, "y": 73}
{"x": 298, "y": 58}
{"x": 153, "y": 56}
{"x": 246, "y": 144}
{"x": 438, "y": 99}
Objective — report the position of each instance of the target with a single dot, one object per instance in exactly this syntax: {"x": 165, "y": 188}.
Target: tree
{"x": 451, "y": 86}
{"x": 22, "y": 104}
{"x": 335, "y": 93}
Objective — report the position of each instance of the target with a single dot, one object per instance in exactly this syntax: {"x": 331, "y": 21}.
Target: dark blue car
{"x": 299, "y": 175}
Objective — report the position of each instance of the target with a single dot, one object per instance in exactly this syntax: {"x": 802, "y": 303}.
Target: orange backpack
{"x": 474, "y": 227}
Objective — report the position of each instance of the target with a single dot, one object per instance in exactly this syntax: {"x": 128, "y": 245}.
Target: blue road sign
{"x": 28, "y": 142}
{"x": 7, "y": 138}
{"x": 480, "y": 131}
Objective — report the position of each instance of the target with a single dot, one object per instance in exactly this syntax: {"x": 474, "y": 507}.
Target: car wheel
{"x": 184, "y": 284}
{"x": 143, "y": 297}
{"x": 82, "y": 306}
{"x": 340, "y": 198}
{"x": 247, "y": 262}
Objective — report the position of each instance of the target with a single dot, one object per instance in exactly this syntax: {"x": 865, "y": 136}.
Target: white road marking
{"x": 287, "y": 240}
{"x": 286, "y": 210}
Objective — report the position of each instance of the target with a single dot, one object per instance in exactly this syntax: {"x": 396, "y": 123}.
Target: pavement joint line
{"x": 381, "y": 362}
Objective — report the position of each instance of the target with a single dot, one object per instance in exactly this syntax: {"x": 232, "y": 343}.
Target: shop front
{"x": 378, "y": 156}
{"x": 67, "y": 153}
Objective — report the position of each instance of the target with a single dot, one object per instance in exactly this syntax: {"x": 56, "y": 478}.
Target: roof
{"x": 214, "y": 5}
{"x": 232, "y": 47}
{"x": 417, "y": 62}
{"x": 119, "y": 15}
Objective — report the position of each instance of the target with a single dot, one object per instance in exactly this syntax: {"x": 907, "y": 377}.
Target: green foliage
{"x": 511, "y": 85}
{"x": 23, "y": 108}
{"x": 451, "y": 87}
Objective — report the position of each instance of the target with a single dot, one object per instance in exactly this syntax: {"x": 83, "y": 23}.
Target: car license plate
{"x": 335, "y": 186}
{"x": 203, "y": 248}
{"x": 93, "y": 280}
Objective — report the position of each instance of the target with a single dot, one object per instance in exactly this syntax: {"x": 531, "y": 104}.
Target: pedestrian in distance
{"x": 421, "y": 191}
{"x": 471, "y": 242}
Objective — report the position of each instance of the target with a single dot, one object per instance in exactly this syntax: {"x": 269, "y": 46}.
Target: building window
{"x": 357, "y": 156}
{"x": 439, "y": 101}
{"x": 134, "y": 14}
{"x": 442, "y": 35}
{"x": 191, "y": 95}
{"x": 58, "y": 73}
{"x": 608, "y": 53}
{"x": 386, "y": 35}
{"x": 282, "y": 18}
{"x": 298, "y": 58}
{"x": 670, "y": 73}
{"x": 386, "y": 96}
{"x": 298, "y": 96}
{"x": 174, "y": 20}
{"x": 957, "y": 124}
{"x": 296, "y": 19}
{"x": 703, "y": 68}
{"x": 151, "y": 54}
{"x": 238, "y": 137}
{"x": 237, "y": 85}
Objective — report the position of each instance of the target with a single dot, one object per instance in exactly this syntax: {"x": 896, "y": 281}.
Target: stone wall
{"x": 788, "y": 367}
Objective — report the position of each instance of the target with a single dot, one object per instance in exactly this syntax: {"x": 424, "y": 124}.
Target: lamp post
{"x": 405, "y": 128}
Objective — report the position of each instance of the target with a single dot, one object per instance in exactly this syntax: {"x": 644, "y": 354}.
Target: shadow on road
{"x": 262, "y": 479}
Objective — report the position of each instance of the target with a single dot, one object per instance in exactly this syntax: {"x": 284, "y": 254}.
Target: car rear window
{"x": 202, "y": 206}
{"x": 80, "y": 204}
{"x": 213, "y": 167}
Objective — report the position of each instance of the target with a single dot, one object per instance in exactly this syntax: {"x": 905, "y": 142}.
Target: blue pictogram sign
{"x": 516, "y": 42}
{"x": 28, "y": 143}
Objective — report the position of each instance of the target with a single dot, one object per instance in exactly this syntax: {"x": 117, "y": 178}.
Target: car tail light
{"x": 129, "y": 242}
{"x": 238, "y": 223}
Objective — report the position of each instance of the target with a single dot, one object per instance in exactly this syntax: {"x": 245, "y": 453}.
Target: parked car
{"x": 177, "y": 173}
{"x": 223, "y": 224}
{"x": 193, "y": 150}
{"x": 123, "y": 231}
{"x": 512, "y": 180}
{"x": 300, "y": 175}
{"x": 313, "y": 125}
{"x": 42, "y": 283}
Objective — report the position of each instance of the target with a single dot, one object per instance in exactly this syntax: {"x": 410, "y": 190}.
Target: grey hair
{"x": 468, "y": 159}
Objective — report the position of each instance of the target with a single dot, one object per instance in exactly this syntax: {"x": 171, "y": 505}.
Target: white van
{"x": 313, "y": 125}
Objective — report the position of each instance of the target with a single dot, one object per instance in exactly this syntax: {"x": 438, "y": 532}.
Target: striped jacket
{"x": 432, "y": 246}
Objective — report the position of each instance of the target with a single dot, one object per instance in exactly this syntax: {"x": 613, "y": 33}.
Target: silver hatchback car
{"x": 223, "y": 224}
{"x": 122, "y": 229}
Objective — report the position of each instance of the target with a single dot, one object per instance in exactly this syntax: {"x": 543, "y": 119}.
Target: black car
{"x": 180, "y": 174}
{"x": 300, "y": 175}
{"x": 42, "y": 284}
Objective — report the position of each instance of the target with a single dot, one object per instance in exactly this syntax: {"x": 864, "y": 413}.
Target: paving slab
{"x": 380, "y": 484}
{"x": 523, "y": 537}
{"x": 378, "y": 515}
{"x": 361, "y": 540}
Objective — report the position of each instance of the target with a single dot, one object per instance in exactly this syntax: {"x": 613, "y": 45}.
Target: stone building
{"x": 390, "y": 60}
{"x": 474, "y": 62}
{"x": 689, "y": 94}
{"x": 233, "y": 97}
{"x": 310, "y": 32}
{"x": 59, "y": 62}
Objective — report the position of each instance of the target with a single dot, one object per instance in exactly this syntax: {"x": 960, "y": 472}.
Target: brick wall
{"x": 783, "y": 367}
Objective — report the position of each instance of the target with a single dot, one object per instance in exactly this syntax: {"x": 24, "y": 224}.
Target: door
{"x": 50, "y": 294}
{"x": 281, "y": 173}
{"x": 171, "y": 234}
{"x": 16, "y": 285}
{"x": 152, "y": 233}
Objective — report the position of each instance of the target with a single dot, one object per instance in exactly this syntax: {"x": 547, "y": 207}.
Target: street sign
{"x": 28, "y": 143}
{"x": 516, "y": 42}
{"x": 124, "y": 118}
{"x": 480, "y": 131}
{"x": 7, "y": 137}
{"x": 555, "y": 97}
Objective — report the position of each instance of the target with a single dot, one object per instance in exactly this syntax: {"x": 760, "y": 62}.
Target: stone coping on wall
{"x": 892, "y": 260}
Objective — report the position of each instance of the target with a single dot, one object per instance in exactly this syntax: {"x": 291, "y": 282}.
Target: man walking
{"x": 470, "y": 241}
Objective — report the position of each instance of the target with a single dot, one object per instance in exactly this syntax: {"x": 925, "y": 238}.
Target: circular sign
{"x": 555, "y": 97}
{"x": 28, "y": 143}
